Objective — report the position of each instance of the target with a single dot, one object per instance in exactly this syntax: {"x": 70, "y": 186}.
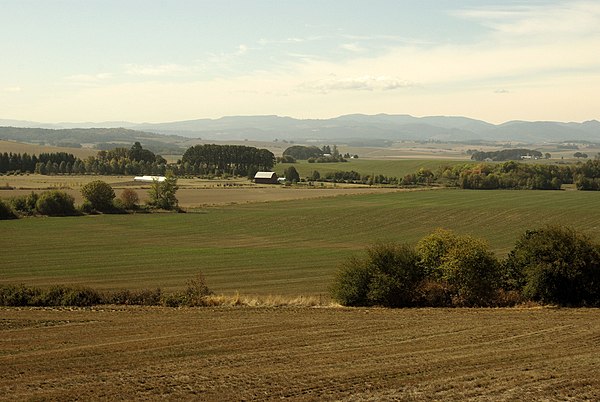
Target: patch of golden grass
{"x": 267, "y": 301}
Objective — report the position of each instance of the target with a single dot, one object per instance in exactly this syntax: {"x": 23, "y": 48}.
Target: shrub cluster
{"x": 6, "y": 212}
{"x": 59, "y": 295}
{"x": 195, "y": 294}
{"x": 552, "y": 265}
{"x": 98, "y": 197}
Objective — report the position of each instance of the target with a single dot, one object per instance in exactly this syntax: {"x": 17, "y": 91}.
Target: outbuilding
{"x": 149, "y": 179}
{"x": 265, "y": 178}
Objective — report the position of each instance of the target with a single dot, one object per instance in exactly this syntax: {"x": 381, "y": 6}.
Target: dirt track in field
{"x": 299, "y": 354}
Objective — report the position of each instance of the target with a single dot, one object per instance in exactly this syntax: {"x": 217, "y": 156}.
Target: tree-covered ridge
{"x": 231, "y": 159}
{"x": 74, "y": 137}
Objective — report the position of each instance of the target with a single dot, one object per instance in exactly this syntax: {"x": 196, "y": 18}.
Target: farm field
{"x": 282, "y": 248}
{"x": 307, "y": 354}
{"x": 192, "y": 193}
{"x": 387, "y": 167}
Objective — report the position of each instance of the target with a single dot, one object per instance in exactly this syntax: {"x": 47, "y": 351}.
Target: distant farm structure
{"x": 149, "y": 179}
{"x": 265, "y": 178}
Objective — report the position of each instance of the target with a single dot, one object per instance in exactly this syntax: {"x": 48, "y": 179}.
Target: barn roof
{"x": 264, "y": 175}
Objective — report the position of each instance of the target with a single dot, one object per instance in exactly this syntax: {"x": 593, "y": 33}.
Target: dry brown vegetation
{"x": 242, "y": 353}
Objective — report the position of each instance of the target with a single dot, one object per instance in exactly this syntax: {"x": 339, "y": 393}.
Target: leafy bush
{"x": 465, "y": 264}
{"x": 15, "y": 295}
{"x": 291, "y": 174}
{"x": 557, "y": 265}
{"x": 86, "y": 207}
{"x": 146, "y": 297}
{"x": 129, "y": 199}
{"x": 162, "y": 194}
{"x": 6, "y": 211}
{"x": 81, "y": 297}
{"x": 351, "y": 284}
{"x": 196, "y": 290}
{"x": 173, "y": 300}
{"x": 388, "y": 276}
{"x": 55, "y": 203}
{"x": 21, "y": 295}
{"x": 100, "y": 194}
{"x": 25, "y": 204}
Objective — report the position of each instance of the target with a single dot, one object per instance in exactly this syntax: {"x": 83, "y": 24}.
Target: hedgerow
{"x": 549, "y": 265}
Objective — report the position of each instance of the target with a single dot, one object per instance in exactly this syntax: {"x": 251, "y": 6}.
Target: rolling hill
{"x": 353, "y": 129}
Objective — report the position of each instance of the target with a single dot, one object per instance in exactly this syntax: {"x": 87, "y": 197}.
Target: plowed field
{"x": 299, "y": 354}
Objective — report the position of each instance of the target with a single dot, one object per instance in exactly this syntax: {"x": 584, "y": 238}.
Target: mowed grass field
{"x": 281, "y": 248}
{"x": 300, "y": 354}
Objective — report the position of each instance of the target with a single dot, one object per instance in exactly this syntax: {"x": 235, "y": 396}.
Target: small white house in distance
{"x": 149, "y": 179}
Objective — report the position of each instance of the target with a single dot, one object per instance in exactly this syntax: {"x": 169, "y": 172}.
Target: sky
{"x": 170, "y": 60}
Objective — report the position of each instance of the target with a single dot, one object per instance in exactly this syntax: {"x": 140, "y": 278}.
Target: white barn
{"x": 149, "y": 179}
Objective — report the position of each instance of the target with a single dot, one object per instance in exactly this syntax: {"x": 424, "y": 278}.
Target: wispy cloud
{"x": 149, "y": 70}
{"x": 352, "y": 47}
{"x": 88, "y": 78}
{"x": 549, "y": 19}
{"x": 14, "y": 89}
{"x": 361, "y": 83}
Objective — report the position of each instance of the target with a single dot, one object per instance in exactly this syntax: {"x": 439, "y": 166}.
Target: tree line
{"x": 551, "y": 265}
{"x": 237, "y": 160}
{"x": 507, "y": 154}
{"x": 197, "y": 160}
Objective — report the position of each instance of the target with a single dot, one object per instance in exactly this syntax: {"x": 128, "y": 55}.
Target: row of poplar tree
{"x": 200, "y": 159}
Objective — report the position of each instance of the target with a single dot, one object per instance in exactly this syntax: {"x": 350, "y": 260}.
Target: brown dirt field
{"x": 308, "y": 354}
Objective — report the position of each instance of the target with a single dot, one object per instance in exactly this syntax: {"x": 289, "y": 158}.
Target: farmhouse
{"x": 149, "y": 179}
{"x": 265, "y": 178}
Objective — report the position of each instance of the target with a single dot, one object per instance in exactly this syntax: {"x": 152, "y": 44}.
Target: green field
{"x": 287, "y": 248}
{"x": 390, "y": 167}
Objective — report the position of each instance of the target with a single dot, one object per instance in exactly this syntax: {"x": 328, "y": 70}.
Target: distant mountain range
{"x": 354, "y": 128}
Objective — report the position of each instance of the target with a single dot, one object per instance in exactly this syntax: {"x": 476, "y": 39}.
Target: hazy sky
{"x": 156, "y": 61}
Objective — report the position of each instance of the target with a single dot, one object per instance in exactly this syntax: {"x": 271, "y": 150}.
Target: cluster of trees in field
{"x": 507, "y": 155}
{"x": 237, "y": 160}
{"x": 509, "y": 175}
{"x": 131, "y": 161}
{"x": 195, "y": 294}
{"x": 313, "y": 154}
{"x": 551, "y": 265}
{"x": 587, "y": 175}
{"x": 99, "y": 197}
{"x": 16, "y": 162}
{"x": 352, "y": 177}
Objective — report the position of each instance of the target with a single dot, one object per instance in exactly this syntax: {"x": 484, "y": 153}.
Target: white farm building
{"x": 149, "y": 179}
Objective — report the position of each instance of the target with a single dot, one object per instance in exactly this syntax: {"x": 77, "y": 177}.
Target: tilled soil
{"x": 133, "y": 353}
